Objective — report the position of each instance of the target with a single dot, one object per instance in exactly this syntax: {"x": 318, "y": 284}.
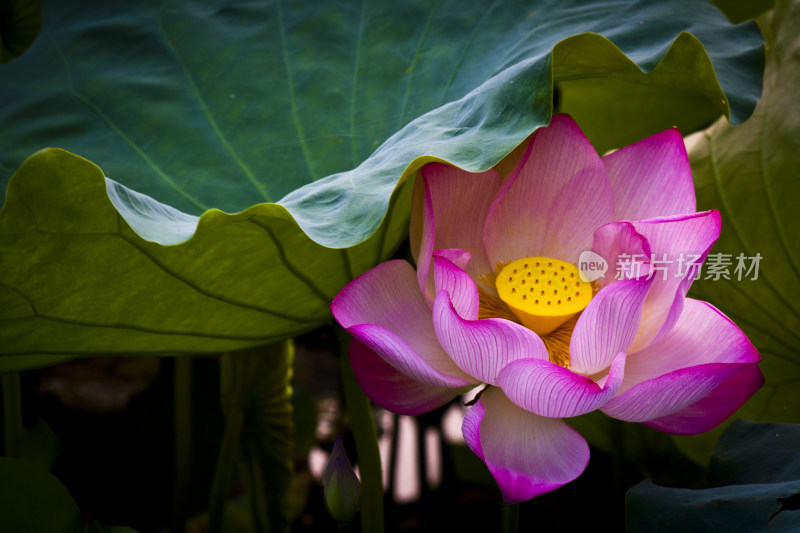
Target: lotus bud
{"x": 340, "y": 485}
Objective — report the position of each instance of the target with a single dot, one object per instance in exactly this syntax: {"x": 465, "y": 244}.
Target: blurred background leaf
{"x": 193, "y": 108}
{"x": 20, "y": 22}
{"x": 256, "y": 399}
{"x": 754, "y": 471}
{"x": 33, "y": 500}
{"x": 738, "y": 11}
{"x": 749, "y": 173}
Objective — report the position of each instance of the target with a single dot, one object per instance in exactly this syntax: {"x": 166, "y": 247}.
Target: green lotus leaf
{"x": 753, "y": 485}
{"x": 203, "y": 115}
{"x": 749, "y": 173}
{"x": 235, "y": 283}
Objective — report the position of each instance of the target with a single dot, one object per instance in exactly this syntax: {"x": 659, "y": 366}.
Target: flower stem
{"x": 182, "y": 412}
{"x": 510, "y": 517}
{"x": 12, "y": 414}
{"x": 369, "y": 459}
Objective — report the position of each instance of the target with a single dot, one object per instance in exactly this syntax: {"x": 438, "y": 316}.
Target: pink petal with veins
{"x": 553, "y": 202}
{"x": 527, "y": 454}
{"x": 651, "y": 178}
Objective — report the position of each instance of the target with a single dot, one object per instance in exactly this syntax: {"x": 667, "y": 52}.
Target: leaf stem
{"x": 12, "y": 414}
{"x": 394, "y": 454}
{"x": 369, "y": 459}
{"x": 510, "y": 517}
{"x": 182, "y": 411}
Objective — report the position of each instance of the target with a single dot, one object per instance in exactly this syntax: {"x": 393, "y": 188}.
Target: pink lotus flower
{"x": 496, "y": 300}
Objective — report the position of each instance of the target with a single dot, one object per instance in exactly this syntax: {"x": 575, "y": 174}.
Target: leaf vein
{"x": 204, "y": 292}
{"x": 110, "y": 123}
{"x": 309, "y": 282}
{"x": 738, "y": 319}
{"x": 207, "y": 112}
{"x": 739, "y": 235}
{"x": 359, "y": 40}
{"x": 459, "y": 62}
{"x": 21, "y": 295}
{"x": 292, "y": 99}
{"x": 768, "y": 190}
{"x": 141, "y": 329}
{"x": 414, "y": 60}
{"x": 758, "y": 305}
{"x": 348, "y": 266}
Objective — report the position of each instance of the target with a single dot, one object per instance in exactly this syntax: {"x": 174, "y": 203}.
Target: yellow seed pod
{"x": 543, "y": 292}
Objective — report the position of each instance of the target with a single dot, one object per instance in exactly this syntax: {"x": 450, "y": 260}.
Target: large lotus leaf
{"x": 609, "y": 108}
{"x": 749, "y": 173}
{"x": 225, "y": 105}
{"x": 241, "y": 280}
{"x": 754, "y": 482}
{"x": 32, "y": 500}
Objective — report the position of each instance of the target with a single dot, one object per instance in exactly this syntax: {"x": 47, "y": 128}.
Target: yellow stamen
{"x": 490, "y": 305}
{"x": 557, "y": 342}
{"x": 543, "y": 292}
